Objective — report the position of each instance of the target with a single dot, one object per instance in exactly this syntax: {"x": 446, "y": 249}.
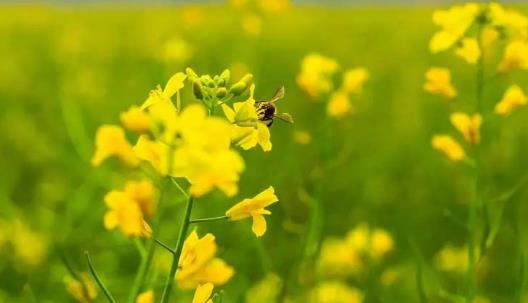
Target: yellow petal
{"x": 174, "y": 84}
{"x": 259, "y": 225}
{"x": 203, "y": 293}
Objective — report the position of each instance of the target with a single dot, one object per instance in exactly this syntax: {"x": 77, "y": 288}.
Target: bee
{"x": 267, "y": 110}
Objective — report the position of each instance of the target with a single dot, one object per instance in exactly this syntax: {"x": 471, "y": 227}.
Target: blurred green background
{"x": 67, "y": 70}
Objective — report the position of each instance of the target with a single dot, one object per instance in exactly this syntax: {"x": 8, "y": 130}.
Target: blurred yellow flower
{"x": 452, "y": 259}
{"x": 82, "y": 291}
{"x": 449, "y": 146}
{"x": 515, "y": 56}
{"x": 302, "y": 137}
{"x": 453, "y": 22}
{"x": 374, "y": 242}
{"x": 251, "y": 24}
{"x": 509, "y": 21}
{"x": 177, "y": 50}
{"x": 30, "y": 248}
{"x": 203, "y": 293}
{"x": 143, "y": 193}
{"x": 339, "y": 105}
{"x": 338, "y": 257}
{"x": 266, "y": 290}
{"x": 198, "y": 265}
{"x": 353, "y": 80}
{"x": 274, "y": 6}
{"x": 175, "y": 83}
{"x": 125, "y": 214}
{"x": 136, "y": 120}
{"x": 469, "y": 50}
{"x": 316, "y": 73}
{"x": 335, "y": 292}
{"x": 438, "y": 81}
{"x": 468, "y": 126}
{"x": 154, "y": 152}
{"x": 513, "y": 98}
{"x": 145, "y": 297}
{"x": 254, "y": 208}
{"x": 192, "y": 15}
{"x": 110, "y": 141}
{"x": 489, "y": 36}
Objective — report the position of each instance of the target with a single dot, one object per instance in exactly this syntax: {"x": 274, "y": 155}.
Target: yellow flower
{"x": 143, "y": 193}
{"x": 338, "y": 257}
{"x": 380, "y": 243}
{"x": 274, "y": 5}
{"x": 339, "y": 105}
{"x": 203, "y": 293}
{"x": 175, "y": 83}
{"x": 198, "y": 265}
{"x": 247, "y": 131}
{"x": 30, "y": 248}
{"x": 255, "y": 208}
{"x": 513, "y": 23}
{"x": 454, "y": 22}
{"x": 353, "y": 80}
{"x": 145, "y": 297}
{"x": 252, "y": 24}
{"x": 201, "y": 152}
{"x": 374, "y": 242}
{"x": 489, "y": 36}
{"x": 513, "y": 98}
{"x": 302, "y": 137}
{"x": 136, "y": 120}
{"x": 469, "y": 50}
{"x": 335, "y": 292}
{"x": 316, "y": 73}
{"x": 452, "y": 259}
{"x": 468, "y": 126}
{"x": 515, "y": 56}
{"x": 438, "y": 81}
{"x": 125, "y": 214}
{"x": 82, "y": 291}
{"x": 266, "y": 290}
{"x": 110, "y": 141}
{"x": 177, "y": 50}
{"x": 449, "y": 146}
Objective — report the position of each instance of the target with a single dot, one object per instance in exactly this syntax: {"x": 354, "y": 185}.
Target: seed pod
{"x": 238, "y": 88}
{"x": 221, "y": 93}
{"x": 197, "y": 90}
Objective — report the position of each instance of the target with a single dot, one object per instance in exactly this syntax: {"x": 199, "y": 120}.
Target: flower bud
{"x": 197, "y": 89}
{"x": 248, "y": 79}
{"x": 191, "y": 74}
{"x": 221, "y": 93}
{"x": 238, "y": 88}
{"x": 226, "y": 74}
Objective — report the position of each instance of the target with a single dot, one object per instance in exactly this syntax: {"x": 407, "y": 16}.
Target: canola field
{"x": 262, "y": 151}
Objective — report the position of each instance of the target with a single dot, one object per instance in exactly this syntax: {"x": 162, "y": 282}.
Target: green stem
{"x": 177, "y": 252}
{"x": 219, "y": 218}
{"x": 476, "y": 202}
{"x": 164, "y": 246}
{"x": 98, "y": 280}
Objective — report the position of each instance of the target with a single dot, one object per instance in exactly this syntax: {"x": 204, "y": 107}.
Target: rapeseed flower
{"x": 438, "y": 81}
{"x": 335, "y": 292}
{"x": 375, "y": 243}
{"x": 316, "y": 74}
{"x": 136, "y": 120}
{"x": 339, "y": 105}
{"x": 338, "y": 257}
{"x": 124, "y": 213}
{"x": 452, "y": 259}
{"x": 453, "y": 22}
{"x": 254, "y": 208}
{"x": 30, "y": 248}
{"x": 302, "y": 137}
{"x": 83, "y": 291}
{"x": 468, "y": 126}
{"x": 266, "y": 290}
{"x": 198, "y": 264}
{"x": 145, "y": 297}
{"x": 353, "y": 80}
{"x": 110, "y": 141}
{"x": 513, "y": 98}
{"x": 203, "y": 293}
{"x": 509, "y": 21}
{"x": 515, "y": 56}
{"x": 144, "y": 194}
{"x": 469, "y": 50}
{"x": 449, "y": 146}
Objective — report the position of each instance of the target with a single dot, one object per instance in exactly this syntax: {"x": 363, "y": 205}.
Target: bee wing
{"x": 284, "y": 117}
{"x": 279, "y": 94}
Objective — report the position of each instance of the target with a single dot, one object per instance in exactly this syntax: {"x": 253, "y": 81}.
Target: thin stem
{"x": 477, "y": 200}
{"x": 140, "y": 247}
{"x": 179, "y": 187}
{"x": 219, "y": 218}
{"x": 164, "y": 246}
{"x": 177, "y": 252}
{"x": 98, "y": 280}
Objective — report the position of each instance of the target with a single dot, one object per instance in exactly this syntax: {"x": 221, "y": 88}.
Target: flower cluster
{"x": 316, "y": 79}
{"x": 194, "y": 144}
